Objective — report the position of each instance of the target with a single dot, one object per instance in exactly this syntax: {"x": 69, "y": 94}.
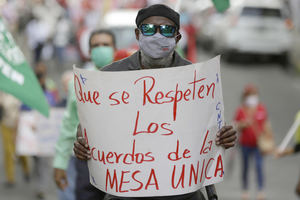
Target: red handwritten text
{"x": 186, "y": 176}
{"x": 125, "y": 158}
{"x": 120, "y": 181}
{"x": 199, "y": 90}
{"x": 82, "y": 96}
{"x": 152, "y": 127}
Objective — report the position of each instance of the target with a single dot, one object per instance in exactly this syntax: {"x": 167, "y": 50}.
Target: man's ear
{"x": 178, "y": 37}
{"x": 137, "y": 33}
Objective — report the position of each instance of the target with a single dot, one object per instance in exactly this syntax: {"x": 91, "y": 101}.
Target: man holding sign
{"x": 157, "y": 33}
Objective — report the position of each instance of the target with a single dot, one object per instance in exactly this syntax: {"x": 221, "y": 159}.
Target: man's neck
{"x": 151, "y": 63}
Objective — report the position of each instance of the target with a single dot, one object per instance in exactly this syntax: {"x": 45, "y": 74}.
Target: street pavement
{"x": 279, "y": 91}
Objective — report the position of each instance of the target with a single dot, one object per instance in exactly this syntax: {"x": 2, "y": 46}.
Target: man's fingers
{"x": 225, "y": 128}
{"x": 226, "y": 134}
{"x": 81, "y": 147}
{"x": 229, "y": 145}
{"x": 228, "y": 139}
{"x": 82, "y": 141}
{"x": 81, "y": 155}
{"x": 81, "y": 152}
{"x": 79, "y": 132}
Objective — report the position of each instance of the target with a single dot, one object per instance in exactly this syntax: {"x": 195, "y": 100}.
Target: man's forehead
{"x": 101, "y": 37}
{"x": 158, "y": 20}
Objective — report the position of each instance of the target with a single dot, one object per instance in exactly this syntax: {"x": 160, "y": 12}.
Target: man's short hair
{"x": 102, "y": 31}
{"x": 158, "y": 10}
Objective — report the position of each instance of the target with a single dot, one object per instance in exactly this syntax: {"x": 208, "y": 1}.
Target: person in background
{"x": 157, "y": 33}
{"x": 61, "y": 38}
{"x": 50, "y": 85}
{"x": 8, "y": 124}
{"x": 42, "y": 163}
{"x": 66, "y": 78}
{"x": 69, "y": 192}
{"x": 102, "y": 46}
{"x": 252, "y": 120}
{"x": 293, "y": 150}
{"x": 37, "y": 32}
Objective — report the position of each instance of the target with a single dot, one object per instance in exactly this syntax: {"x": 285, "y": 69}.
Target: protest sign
{"x": 37, "y": 135}
{"x": 16, "y": 76}
{"x": 152, "y": 132}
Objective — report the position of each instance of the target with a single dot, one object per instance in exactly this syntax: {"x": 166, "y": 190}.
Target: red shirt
{"x": 249, "y": 134}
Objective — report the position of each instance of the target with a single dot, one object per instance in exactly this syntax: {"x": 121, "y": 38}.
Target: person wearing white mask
{"x": 252, "y": 120}
{"x": 157, "y": 33}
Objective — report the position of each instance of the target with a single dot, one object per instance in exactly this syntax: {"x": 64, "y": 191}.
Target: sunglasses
{"x": 151, "y": 29}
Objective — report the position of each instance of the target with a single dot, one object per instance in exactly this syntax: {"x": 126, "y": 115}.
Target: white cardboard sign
{"x": 37, "y": 135}
{"x": 152, "y": 132}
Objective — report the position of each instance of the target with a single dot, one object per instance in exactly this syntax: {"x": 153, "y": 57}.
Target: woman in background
{"x": 252, "y": 121}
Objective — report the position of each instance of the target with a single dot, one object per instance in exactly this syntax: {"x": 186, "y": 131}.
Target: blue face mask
{"x": 102, "y": 56}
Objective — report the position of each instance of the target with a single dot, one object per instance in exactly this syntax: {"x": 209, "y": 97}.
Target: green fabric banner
{"x": 221, "y": 5}
{"x": 16, "y": 76}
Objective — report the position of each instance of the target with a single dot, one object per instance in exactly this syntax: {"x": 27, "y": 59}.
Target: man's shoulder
{"x": 132, "y": 63}
{"x": 180, "y": 61}
{"x": 125, "y": 64}
{"x": 116, "y": 66}
{"x": 185, "y": 62}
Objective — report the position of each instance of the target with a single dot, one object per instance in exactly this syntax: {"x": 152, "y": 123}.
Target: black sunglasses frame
{"x": 160, "y": 27}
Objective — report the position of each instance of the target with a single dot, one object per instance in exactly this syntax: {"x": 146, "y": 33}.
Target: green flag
{"x": 221, "y": 5}
{"x": 16, "y": 76}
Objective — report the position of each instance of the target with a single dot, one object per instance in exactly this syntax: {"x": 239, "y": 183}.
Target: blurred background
{"x": 259, "y": 41}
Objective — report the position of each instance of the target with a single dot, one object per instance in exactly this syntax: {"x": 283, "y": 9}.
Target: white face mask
{"x": 157, "y": 45}
{"x": 252, "y": 101}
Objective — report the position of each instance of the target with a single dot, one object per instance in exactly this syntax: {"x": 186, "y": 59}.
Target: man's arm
{"x": 66, "y": 139}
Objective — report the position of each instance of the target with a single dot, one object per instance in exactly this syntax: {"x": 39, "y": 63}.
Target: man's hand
{"x": 81, "y": 148}
{"x": 279, "y": 154}
{"x": 60, "y": 177}
{"x": 226, "y": 137}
